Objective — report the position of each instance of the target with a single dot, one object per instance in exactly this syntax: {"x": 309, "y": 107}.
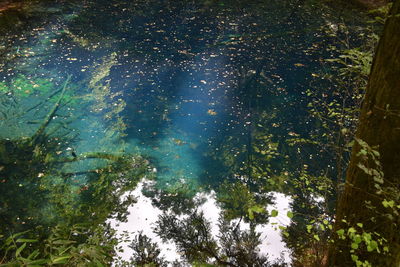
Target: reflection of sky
{"x": 197, "y": 87}
{"x": 143, "y": 216}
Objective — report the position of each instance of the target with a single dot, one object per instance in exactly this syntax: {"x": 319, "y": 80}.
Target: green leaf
{"x": 351, "y": 231}
{"x": 290, "y": 214}
{"x": 357, "y": 239}
{"x": 316, "y": 237}
{"x": 256, "y": 209}
{"x": 60, "y": 260}
{"x": 274, "y": 213}
{"x": 386, "y": 203}
{"x": 24, "y": 240}
{"x": 341, "y": 233}
{"x": 372, "y": 246}
{"x": 251, "y": 214}
{"x": 38, "y": 262}
{"x": 33, "y": 255}
{"x": 366, "y": 237}
{"x": 354, "y": 257}
{"x": 19, "y": 250}
{"x": 286, "y": 234}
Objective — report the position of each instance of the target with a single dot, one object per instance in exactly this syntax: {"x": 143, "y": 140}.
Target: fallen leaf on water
{"x": 211, "y": 112}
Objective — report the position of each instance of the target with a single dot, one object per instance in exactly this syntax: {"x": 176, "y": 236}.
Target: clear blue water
{"x": 207, "y": 85}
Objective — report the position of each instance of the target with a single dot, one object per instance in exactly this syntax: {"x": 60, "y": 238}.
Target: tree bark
{"x": 379, "y": 126}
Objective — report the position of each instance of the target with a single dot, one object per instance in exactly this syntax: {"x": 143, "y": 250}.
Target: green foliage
{"x": 193, "y": 238}
{"x": 238, "y": 202}
{"x": 369, "y": 162}
{"x": 66, "y": 246}
{"x": 145, "y": 252}
{"x": 310, "y": 215}
{"x": 177, "y": 195}
{"x": 335, "y": 97}
{"x": 64, "y": 207}
{"x": 105, "y": 102}
{"x": 362, "y": 242}
{"x": 274, "y": 213}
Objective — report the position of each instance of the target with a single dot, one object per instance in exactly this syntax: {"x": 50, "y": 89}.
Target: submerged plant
{"x": 40, "y": 187}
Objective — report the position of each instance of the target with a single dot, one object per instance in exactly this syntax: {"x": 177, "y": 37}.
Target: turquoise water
{"x": 210, "y": 99}
{"x": 208, "y": 90}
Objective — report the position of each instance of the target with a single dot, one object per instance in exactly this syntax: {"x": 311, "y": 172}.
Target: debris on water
{"x": 178, "y": 142}
{"x": 211, "y": 112}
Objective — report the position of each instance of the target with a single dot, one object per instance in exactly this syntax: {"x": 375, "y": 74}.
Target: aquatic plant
{"x": 105, "y": 102}
{"x": 21, "y": 86}
{"x": 34, "y": 166}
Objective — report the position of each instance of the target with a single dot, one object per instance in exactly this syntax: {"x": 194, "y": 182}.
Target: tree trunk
{"x": 379, "y": 126}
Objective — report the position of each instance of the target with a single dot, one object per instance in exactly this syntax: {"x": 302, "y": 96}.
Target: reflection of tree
{"x": 32, "y": 165}
{"x": 145, "y": 252}
{"x": 45, "y": 182}
{"x": 193, "y": 238}
{"x": 25, "y": 161}
{"x": 177, "y": 195}
{"x": 241, "y": 201}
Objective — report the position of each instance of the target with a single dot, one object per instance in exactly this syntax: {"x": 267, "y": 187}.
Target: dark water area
{"x": 197, "y": 79}
{"x": 205, "y": 91}
{"x": 200, "y": 80}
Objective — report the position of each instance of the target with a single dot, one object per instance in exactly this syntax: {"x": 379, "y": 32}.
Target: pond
{"x": 207, "y": 94}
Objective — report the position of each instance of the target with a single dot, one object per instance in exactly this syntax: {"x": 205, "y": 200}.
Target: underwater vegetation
{"x": 209, "y": 99}
{"x": 71, "y": 193}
